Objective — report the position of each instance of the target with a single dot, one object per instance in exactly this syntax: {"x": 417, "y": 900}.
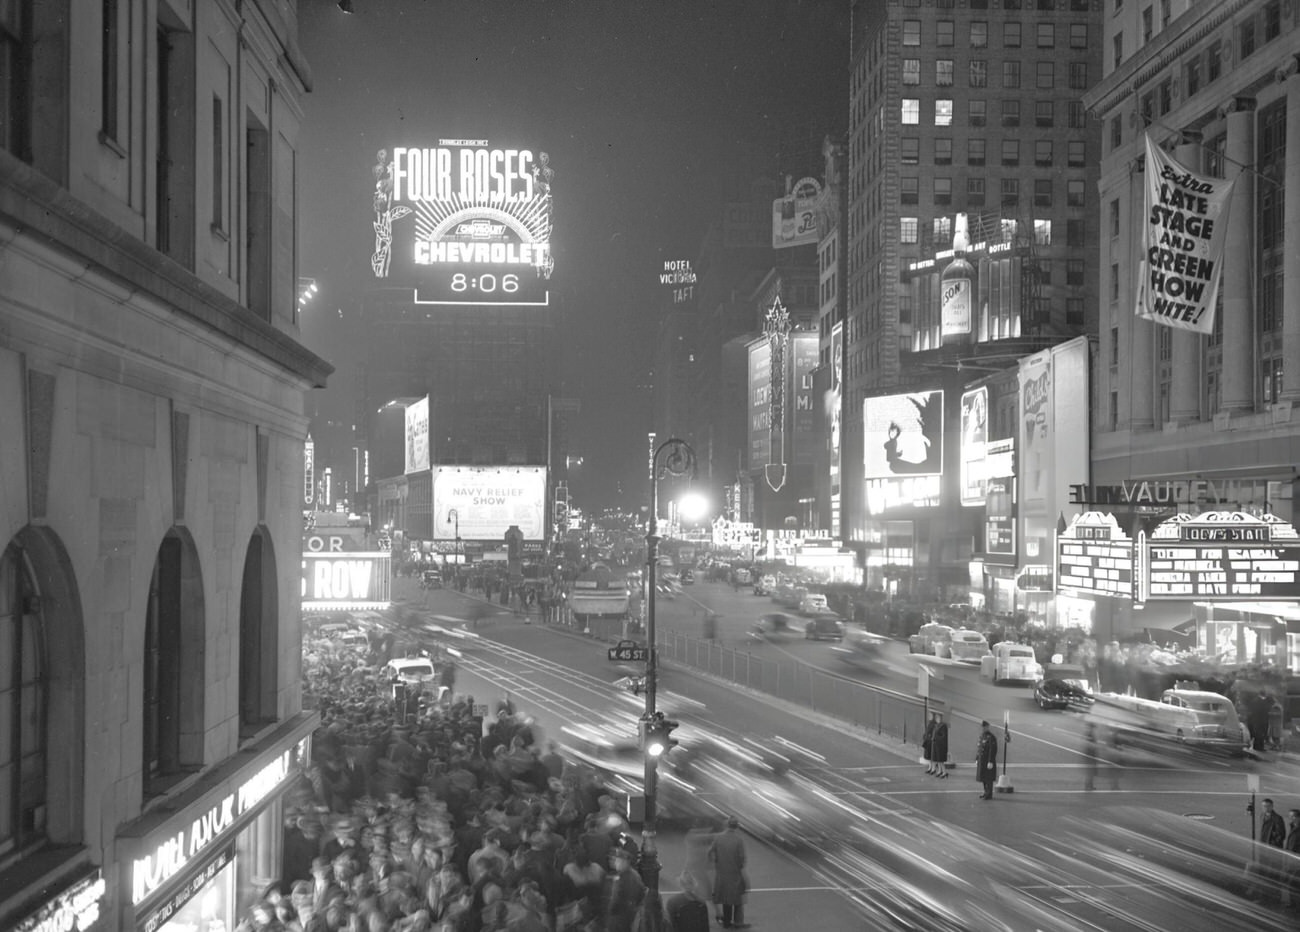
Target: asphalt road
{"x": 875, "y": 786}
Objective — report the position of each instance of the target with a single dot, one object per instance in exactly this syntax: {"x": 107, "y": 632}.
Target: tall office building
{"x": 975, "y": 109}
{"x": 152, "y": 478}
{"x": 1205, "y": 419}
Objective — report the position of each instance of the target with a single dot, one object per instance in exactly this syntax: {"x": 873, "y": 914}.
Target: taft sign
{"x": 1220, "y": 556}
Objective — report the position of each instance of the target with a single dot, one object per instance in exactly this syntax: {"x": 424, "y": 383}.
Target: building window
{"x": 1043, "y": 153}
{"x": 943, "y": 112}
{"x": 1010, "y": 152}
{"x": 1010, "y": 192}
{"x": 1078, "y": 75}
{"x": 910, "y": 151}
{"x": 1213, "y": 154}
{"x": 1074, "y": 313}
{"x": 1075, "y": 116}
{"x": 1213, "y": 62}
{"x": 1246, "y": 38}
{"x": 14, "y": 79}
{"x": 944, "y": 32}
{"x": 979, "y": 34}
{"x": 1076, "y": 150}
{"x": 1116, "y": 132}
{"x": 1011, "y": 35}
{"x": 943, "y": 151}
{"x": 907, "y": 230}
{"x": 943, "y": 72}
{"x": 978, "y": 113}
{"x": 1074, "y": 234}
{"x": 942, "y": 231}
{"x": 1046, "y": 76}
{"x": 1011, "y": 74}
{"x": 1044, "y": 114}
{"x": 1146, "y": 25}
{"x": 942, "y": 192}
{"x": 975, "y": 192}
{"x": 1165, "y": 92}
{"x": 1165, "y": 343}
{"x": 1047, "y": 35}
{"x": 1114, "y": 295}
{"x": 1114, "y": 217}
{"x": 1042, "y": 192}
{"x": 979, "y": 73}
{"x": 911, "y": 111}
{"x": 1074, "y": 192}
{"x": 1270, "y": 297}
{"x": 1192, "y": 74}
{"x": 1011, "y": 113}
{"x": 911, "y": 32}
{"x": 1164, "y": 13}
{"x": 1147, "y": 107}
{"x": 1272, "y": 20}
{"x": 1074, "y": 272}
{"x": 1114, "y": 346}
{"x": 1078, "y": 35}
{"x": 218, "y": 163}
{"x": 1114, "y": 409}
{"x": 907, "y": 190}
{"x": 1271, "y": 372}
{"x": 911, "y": 71}
{"x": 1117, "y": 50}
{"x": 110, "y": 65}
{"x": 975, "y": 151}
{"x": 24, "y": 700}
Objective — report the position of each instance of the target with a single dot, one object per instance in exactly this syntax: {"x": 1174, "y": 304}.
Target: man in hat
{"x": 624, "y": 891}
{"x": 986, "y": 760}
{"x": 730, "y": 882}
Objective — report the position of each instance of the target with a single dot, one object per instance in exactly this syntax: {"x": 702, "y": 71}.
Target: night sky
{"x": 644, "y": 108}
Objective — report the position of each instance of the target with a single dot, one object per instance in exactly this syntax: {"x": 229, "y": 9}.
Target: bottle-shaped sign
{"x": 957, "y": 288}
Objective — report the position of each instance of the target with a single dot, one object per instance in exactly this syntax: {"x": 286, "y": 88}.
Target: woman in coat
{"x": 927, "y": 743}
{"x": 939, "y": 747}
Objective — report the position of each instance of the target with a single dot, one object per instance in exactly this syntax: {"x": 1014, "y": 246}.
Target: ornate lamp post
{"x": 673, "y": 457}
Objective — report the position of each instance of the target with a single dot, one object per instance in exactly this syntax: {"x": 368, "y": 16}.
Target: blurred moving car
{"x": 824, "y": 627}
{"x": 859, "y": 647}
{"x": 344, "y": 636}
{"x": 687, "y": 577}
{"x": 1063, "y": 686}
{"x": 967, "y": 646}
{"x": 1190, "y": 717}
{"x": 814, "y": 603}
{"x": 773, "y": 626}
{"x": 932, "y": 639}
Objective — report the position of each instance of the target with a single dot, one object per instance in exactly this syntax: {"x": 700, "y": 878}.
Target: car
{"x": 824, "y": 628}
{"x": 431, "y": 579}
{"x": 814, "y": 603}
{"x": 687, "y": 577}
{"x": 773, "y": 626}
{"x": 765, "y": 585}
{"x": 417, "y": 673}
{"x": 860, "y": 648}
{"x": 344, "y": 636}
{"x": 967, "y": 646}
{"x": 934, "y": 639}
{"x": 1063, "y": 692}
{"x": 743, "y": 577}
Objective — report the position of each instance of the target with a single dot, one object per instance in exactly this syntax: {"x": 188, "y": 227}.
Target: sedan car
{"x": 774, "y": 626}
{"x": 824, "y": 628}
{"x": 1056, "y": 692}
{"x": 813, "y": 603}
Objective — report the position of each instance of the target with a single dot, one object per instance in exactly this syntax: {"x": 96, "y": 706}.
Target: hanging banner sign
{"x": 1220, "y": 557}
{"x": 794, "y": 217}
{"x": 1185, "y": 227}
{"x": 1095, "y": 556}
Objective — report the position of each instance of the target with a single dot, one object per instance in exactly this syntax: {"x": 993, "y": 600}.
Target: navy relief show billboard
{"x": 464, "y": 223}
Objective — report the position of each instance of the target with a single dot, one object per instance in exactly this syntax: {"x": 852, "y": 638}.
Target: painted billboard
{"x": 483, "y": 502}
{"x": 794, "y": 217}
{"x": 903, "y": 435}
{"x": 417, "y": 436}
{"x": 974, "y": 443}
{"x": 805, "y": 438}
{"x": 464, "y": 223}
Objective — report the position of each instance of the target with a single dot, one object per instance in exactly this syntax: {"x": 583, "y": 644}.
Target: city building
{"x": 958, "y": 112}
{"x": 150, "y": 490}
{"x": 1206, "y": 421}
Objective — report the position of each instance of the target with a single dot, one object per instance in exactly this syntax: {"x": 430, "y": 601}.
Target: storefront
{"x": 76, "y": 908}
{"x": 201, "y": 866}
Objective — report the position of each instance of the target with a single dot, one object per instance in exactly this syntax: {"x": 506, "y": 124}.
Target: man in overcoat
{"x": 986, "y": 760}
{"x": 730, "y": 882}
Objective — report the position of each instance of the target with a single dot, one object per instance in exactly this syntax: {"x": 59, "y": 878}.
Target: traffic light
{"x": 656, "y": 735}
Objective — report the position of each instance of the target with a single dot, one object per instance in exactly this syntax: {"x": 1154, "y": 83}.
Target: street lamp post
{"x": 679, "y": 461}
{"x": 454, "y": 515}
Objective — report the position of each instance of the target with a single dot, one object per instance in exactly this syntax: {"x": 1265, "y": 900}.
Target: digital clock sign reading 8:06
{"x": 464, "y": 223}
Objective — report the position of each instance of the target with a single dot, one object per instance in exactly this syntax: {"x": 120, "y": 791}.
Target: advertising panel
{"x": 417, "y": 436}
{"x": 903, "y": 435}
{"x": 805, "y": 354}
{"x": 464, "y": 222}
{"x": 835, "y": 408}
{"x": 1095, "y": 556}
{"x": 1184, "y": 233}
{"x": 1000, "y": 517}
{"x": 794, "y": 217}
{"x": 760, "y": 400}
{"x": 333, "y": 580}
{"x": 483, "y": 502}
{"x": 974, "y": 440}
{"x": 679, "y": 278}
{"x": 1220, "y": 557}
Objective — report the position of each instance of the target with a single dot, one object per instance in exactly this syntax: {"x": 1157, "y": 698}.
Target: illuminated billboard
{"x": 974, "y": 442}
{"x": 417, "y": 436}
{"x": 903, "y": 435}
{"x": 794, "y": 217}
{"x": 1219, "y": 557}
{"x": 464, "y": 222}
{"x": 346, "y": 580}
{"x": 760, "y": 403}
{"x": 483, "y": 502}
{"x": 1095, "y": 556}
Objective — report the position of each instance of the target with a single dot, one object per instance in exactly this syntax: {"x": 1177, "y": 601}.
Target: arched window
{"x": 259, "y": 655}
{"x": 24, "y": 697}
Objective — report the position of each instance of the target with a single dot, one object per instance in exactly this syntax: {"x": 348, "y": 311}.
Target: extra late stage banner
{"x": 1186, "y": 223}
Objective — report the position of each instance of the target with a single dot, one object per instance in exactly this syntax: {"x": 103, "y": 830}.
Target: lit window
{"x": 943, "y": 231}
{"x": 907, "y": 227}
{"x": 979, "y": 73}
{"x": 911, "y": 71}
{"x": 911, "y": 32}
{"x": 943, "y": 113}
{"x": 911, "y": 110}
{"x": 1043, "y": 232}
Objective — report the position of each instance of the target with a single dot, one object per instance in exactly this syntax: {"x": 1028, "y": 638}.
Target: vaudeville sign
{"x": 1185, "y": 226}
{"x": 1219, "y": 556}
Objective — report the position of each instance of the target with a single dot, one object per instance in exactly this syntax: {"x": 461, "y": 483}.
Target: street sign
{"x": 629, "y": 651}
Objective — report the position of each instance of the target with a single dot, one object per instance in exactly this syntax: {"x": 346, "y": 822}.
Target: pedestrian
{"x": 927, "y": 742}
{"x": 986, "y": 760}
{"x": 699, "y": 839}
{"x": 1272, "y": 830}
{"x": 1257, "y": 720}
{"x": 1094, "y": 749}
{"x": 731, "y": 882}
{"x": 939, "y": 748}
{"x": 624, "y": 891}
{"x": 1291, "y": 889}
{"x": 687, "y": 911}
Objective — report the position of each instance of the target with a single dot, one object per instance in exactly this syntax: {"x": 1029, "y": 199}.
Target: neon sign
{"x": 73, "y": 910}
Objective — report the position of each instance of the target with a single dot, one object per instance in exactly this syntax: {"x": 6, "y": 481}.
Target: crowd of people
{"x": 438, "y": 822}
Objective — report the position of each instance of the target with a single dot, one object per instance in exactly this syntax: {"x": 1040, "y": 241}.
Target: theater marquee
{"x": 464, "y": 223}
